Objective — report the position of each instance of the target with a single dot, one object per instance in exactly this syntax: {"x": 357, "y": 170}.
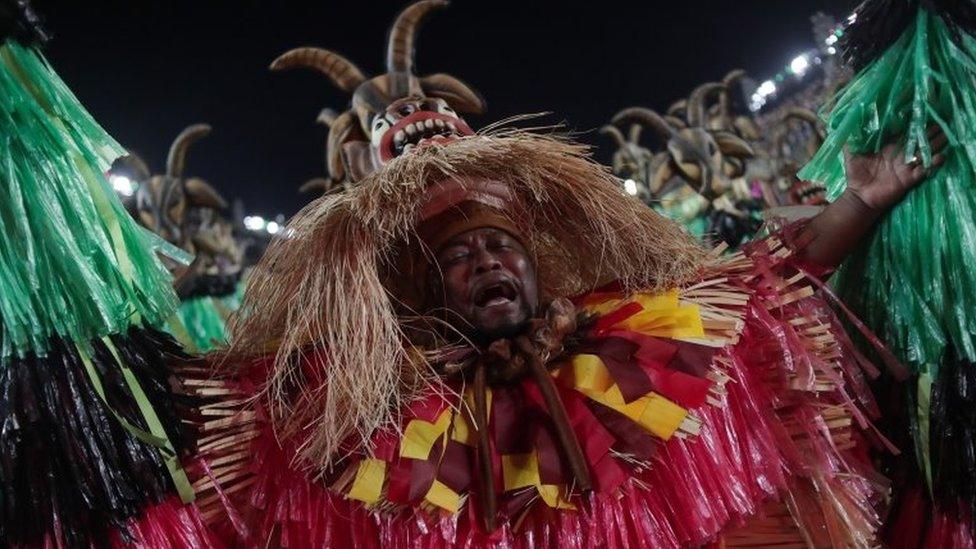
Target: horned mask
{"x": 797, "y": 135}
{"x": 392, "y": 113}
{"x": 707, "y": 147}
{"x": 186, "y": 211}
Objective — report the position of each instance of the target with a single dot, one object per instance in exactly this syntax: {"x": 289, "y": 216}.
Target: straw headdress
{"x": 323, "y": 300}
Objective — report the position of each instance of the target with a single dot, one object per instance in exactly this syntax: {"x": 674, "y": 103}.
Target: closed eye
{"x": 451, "y": 257}
{"x": 500, "y": 242}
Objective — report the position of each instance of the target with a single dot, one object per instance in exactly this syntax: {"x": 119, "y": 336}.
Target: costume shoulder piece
{"x": 683, "y": 397}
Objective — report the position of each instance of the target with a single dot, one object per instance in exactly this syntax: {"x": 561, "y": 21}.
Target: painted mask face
{"x": 797, "y": 137}
{"x": 413, "y": 122}
{"x": 392, "y": 113}
{"x": 808, "y": 193}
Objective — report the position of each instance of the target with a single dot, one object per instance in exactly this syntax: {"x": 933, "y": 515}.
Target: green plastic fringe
{"x": 914, "y": 280}
{"x": 200, "y": 322}
{"x": 73, "y": 263}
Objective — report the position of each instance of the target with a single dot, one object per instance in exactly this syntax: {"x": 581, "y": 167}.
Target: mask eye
{"x": 379, "y": 127}
{"x": 443, "y": 108}
{"x": 710, "y": 146}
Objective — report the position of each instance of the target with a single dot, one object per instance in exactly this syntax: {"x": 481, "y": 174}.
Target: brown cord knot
{"x": 507, "y": 360}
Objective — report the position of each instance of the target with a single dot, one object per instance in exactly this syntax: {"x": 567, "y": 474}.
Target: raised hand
{"x": 881, "y": 180}
{"x": 875, "y": 183}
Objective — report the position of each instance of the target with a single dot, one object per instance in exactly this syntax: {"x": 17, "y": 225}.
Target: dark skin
{"x": 489, "y": 283}
{"x": 489, "y": 280}
{"x": 875, "y": 183}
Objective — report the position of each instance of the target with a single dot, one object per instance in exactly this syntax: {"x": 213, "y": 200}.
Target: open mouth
{"x": 499, "y": 293}
{"x": 420, "y": 129}
{"x": 809, "y": 194}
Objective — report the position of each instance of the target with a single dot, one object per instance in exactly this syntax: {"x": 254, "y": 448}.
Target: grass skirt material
{"x": 92, "y": 428}
{"x": 914, "y": 279}
{"x": 73, "y": 263}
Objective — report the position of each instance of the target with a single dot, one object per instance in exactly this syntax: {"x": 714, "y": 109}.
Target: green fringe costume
{"x": 91, "y": 431}
{"x": 914, "y": 280}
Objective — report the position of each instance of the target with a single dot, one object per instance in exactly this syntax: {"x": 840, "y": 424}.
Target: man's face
{"x": 489, "y": 281}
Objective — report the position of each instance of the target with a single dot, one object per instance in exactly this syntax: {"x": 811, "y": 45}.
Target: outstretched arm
{"x": 875, "y": 183}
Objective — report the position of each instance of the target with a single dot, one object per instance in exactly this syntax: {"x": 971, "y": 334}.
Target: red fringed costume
{"x": 723, "y": 406}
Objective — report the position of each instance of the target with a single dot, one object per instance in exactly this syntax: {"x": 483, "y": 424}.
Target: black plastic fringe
{"x": 953, "y": 436}
{"x": 880, "y": 22}
{"x": 69, "y": 471}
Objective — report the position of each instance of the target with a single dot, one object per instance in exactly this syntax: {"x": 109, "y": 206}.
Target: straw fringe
{"x": 322, "y": 291}
{"x": 225, "y": 425}
{"x": 815, "y": 378}
{"x": 723, "y": 303}
{"x": 724, "y": 291}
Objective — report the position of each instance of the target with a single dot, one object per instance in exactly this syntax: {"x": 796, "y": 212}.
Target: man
{"x": 488, "y": 343}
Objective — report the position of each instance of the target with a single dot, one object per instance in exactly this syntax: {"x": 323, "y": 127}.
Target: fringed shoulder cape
{"x": 733, "y": 409}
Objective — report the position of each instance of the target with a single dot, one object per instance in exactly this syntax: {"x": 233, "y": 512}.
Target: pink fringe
{"x": 695, "y": 488}
{"x": 169, "y": 524}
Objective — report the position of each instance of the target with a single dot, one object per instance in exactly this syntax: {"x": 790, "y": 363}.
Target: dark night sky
{"x": 147, "y": 69}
